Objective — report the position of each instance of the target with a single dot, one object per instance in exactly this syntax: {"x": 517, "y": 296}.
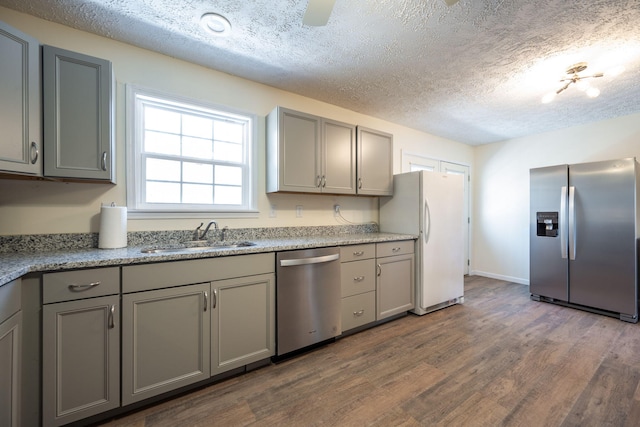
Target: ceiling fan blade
{"x": 451, "y": 2}
{"x": 318, "y": 12}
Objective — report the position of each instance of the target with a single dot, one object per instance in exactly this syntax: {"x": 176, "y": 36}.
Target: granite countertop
{"x": 16, "y": 264}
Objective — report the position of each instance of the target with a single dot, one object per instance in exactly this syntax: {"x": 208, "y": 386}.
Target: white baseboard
{"x": 518, "y": 280}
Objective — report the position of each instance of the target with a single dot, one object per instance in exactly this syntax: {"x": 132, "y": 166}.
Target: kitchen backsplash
{"x": 71, "y": 241}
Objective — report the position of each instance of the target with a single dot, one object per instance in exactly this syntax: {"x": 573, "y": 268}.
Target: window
{"x": 187, "y": 157}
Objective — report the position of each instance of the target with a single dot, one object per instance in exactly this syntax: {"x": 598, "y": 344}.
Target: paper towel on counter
{"x": 113, "y": 227}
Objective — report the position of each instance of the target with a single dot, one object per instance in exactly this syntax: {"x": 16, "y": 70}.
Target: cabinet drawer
{"x": 356, "y": 252}
{"x": 357, "y": 277}
{"x": 394, "y": 248}
{"x": 358, "y": 310}
{"x": 72, "y": 285}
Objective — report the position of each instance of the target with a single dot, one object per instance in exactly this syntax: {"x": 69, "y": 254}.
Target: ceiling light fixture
{"x": 576, "y": 79}
{"x": 216, "y": 24}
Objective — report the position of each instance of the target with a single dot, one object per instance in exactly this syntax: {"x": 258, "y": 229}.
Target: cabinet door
{"x": 375, "y": 162}
{"x": 243, "y": 321}
{"x": 293, "y": 152}
{"x": 78, "y": 118}
{"x": 165, "y": 340}
{"x": 81, "y": 359}
{"x": 395, "y": 292}
{"x": 10, "y": 371}
{"x": 20, "y": 120}
{"x": 338, "y": 157}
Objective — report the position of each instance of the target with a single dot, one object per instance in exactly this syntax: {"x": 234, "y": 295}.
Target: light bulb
{"x": 548, "y": 97}
{"x": 593, "y": 92}
{"x": 582, "y": 85}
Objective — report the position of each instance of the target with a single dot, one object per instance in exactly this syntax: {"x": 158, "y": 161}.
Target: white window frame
{"x": 137, "y": 208}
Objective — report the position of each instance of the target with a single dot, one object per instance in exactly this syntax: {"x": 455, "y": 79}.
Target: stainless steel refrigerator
{"x": 583, "y": 236}
{"x": 430, "y": 204}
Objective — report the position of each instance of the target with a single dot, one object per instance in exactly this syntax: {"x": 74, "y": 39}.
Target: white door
{"x": 414, "y": 162}
{"x": 456, "y": 169}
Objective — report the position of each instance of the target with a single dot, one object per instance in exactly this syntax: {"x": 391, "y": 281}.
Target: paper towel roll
{"x": 113, "y": 227}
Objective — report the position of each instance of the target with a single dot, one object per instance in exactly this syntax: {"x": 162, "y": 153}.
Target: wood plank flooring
{"x": 499, "y": 359}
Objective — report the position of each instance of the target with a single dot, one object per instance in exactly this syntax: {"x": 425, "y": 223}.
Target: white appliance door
{"x": 442, "y": 239}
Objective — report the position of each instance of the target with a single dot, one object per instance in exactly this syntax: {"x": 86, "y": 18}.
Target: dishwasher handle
{"x": 306, "y": 261}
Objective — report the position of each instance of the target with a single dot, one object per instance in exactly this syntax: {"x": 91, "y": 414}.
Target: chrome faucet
{"x": 198, "y": 235}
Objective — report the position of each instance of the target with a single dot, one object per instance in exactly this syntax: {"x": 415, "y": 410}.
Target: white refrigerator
{"x": 430, "y": 204}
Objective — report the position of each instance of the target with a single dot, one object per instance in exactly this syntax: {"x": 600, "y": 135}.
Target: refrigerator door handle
{"x": 427, "y": 221}
{"x": 572, "y": 223}
{"x": 562, "y": 222}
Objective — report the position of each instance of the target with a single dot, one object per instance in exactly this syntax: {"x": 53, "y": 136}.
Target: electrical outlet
{"x": 336, "y": 209}
{"x": 272, "y": 212}
{"x": 299, "y": 211}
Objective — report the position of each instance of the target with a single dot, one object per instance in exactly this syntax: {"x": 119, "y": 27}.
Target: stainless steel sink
{"x": 188, "y": 249}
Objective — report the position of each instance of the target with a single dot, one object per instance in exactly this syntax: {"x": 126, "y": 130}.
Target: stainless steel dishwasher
{"x": 308, "y": 298}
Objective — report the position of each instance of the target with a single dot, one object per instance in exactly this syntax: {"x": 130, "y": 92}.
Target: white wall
{"x": 501, "y": 232}
{"x": 33, "y": 207}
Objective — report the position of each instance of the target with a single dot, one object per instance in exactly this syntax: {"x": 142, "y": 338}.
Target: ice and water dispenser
{"x": 547, "y": 224}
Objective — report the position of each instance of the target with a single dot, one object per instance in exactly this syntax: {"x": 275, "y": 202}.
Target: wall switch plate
{"x": 298, "y": 211}
{"x": 272, "y": 211}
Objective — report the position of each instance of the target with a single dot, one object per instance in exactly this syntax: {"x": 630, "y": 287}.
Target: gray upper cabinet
{"x": 20, "y": 120}
{"x": 375, "y": 162}
{"x": 78, "y": 115}
{"x": 309, "y": 154}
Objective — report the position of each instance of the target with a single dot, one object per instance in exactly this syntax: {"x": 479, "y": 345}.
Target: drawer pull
{"x": 82, "y": 288}
{"x": 358, "y": 278}
{"x": 358, "y": 253}
{"x": 358, "y": 313}
{"x": 396, "y": 249}
{"x": 112, "y": 322}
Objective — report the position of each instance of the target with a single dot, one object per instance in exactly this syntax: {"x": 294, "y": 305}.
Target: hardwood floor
{"x": 499, "y": 359}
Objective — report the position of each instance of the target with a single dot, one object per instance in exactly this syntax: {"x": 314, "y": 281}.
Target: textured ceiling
{"x": 474, "y": 72}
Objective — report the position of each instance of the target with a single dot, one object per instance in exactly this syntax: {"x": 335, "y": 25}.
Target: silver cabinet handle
{"x": 379, "y": 270}
{"x": 35, "y": 153}
{"x": 112, "y": 322}
{"x": 104, "y": 161}
{"x": 324, "y": 181}
{"x": 358, "y": 313}
{"x": 312, "y": 260}
{"x": 359, "y": 183}
{"x": 358, "y": 278}
{"x": 318, "y": 181}
{"x": 82, "y": 288}
{"x": 358, "y": 253}
{"x": 206, "y": 300}
{"x": 215, "y": 298}
{"x": 395, "y": 249}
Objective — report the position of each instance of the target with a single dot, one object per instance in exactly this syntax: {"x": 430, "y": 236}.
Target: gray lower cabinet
{"x": 242, "y": 322}
{"x": 20, "y": 101}
{"x": 81, "y": 359}
{"x": 80, "y": 344}
{"x": 395, "y": 278}
{"x": 78, "y": 115}
{"x": 10, "y": 354}
{"x": 358, "y": 281}
{"x": 165, "y": 340}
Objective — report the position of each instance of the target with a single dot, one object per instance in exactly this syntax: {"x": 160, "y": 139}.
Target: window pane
{"x": 163, "y": 170}
{"x": 197, "y": 172}
{"x": 227, "y": 195}
{"x": 197, "y": 126}
{"x": 162, "y": 120}
{"x": 162, "y": 192}
{"x": 196, "y": 147}
{"x": 197, "y": 194}
{"x": 229, "y": 175}
{"x": 228, "y": 131}
{"x": 161, "y": 143}
{"x": 227, "y": 152}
